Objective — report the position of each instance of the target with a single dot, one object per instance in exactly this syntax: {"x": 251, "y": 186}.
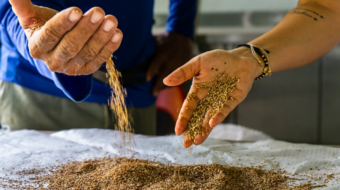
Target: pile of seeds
{"x": 124, "y": 173}
{"x": 217, "y": 95}
{"x": 117, "y": 102}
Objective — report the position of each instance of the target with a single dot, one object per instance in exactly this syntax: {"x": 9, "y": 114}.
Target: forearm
{"x": 182, "y": 17}
{"x": 304, "y": 35}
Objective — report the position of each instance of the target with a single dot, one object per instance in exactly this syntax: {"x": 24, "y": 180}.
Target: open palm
{"x": 204, "y": 69}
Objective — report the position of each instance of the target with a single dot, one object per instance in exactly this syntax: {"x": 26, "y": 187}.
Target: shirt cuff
{"x": 76, "y": 88}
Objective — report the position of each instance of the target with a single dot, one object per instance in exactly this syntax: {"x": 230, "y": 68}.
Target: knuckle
{"x": 103, "y": 56}
{"x": 69, "y": 72}
{"x": 88, "y": 71}
{"x": 69, "y": 49}
{"x": 53, "y": 67}
{"x": 89, "y": 52}
{"x": 50, "y": 36}
{"x": 35, "y": 52}
{"x": 72, "y": 71}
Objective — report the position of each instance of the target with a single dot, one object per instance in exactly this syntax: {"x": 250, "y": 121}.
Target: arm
{"x": 62, "y": 46}
{"x": 174, "y": 47}
{"x": 305, "y": 34}
{"x": 20, "y": 42}
{"x": 182, "y": 17}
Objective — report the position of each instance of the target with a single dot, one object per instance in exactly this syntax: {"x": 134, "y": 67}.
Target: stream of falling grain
{"x": 118, "y": 105}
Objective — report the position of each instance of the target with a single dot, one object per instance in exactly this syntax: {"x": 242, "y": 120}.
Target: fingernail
{"x": 108, "y": 25}
{"x": 75, "y": 16}
{"x": 96, "y": 17}
{"x": 116, "y": 37}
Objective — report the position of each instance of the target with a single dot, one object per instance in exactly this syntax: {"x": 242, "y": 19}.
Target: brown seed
{"x": 117, "y": 103}
{"x": 217, "y": 95}
{"x": 125, "y": 173}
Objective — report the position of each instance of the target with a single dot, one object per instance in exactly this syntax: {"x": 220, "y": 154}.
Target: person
{"x": 306, "y": 33}
{"x": 52, "y": 56}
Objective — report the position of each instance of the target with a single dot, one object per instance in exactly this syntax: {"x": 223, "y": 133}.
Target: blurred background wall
{"x": 301, "y": 105}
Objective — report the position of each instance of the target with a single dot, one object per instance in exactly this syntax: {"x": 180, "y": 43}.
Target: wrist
{"x": 245, "y": 53}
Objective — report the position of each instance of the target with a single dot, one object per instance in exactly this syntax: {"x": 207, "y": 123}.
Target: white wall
{"x": 214, "y": 6}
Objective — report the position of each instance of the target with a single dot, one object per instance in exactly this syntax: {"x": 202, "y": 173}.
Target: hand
{"x": 68, "y": 42}
{"x": 172, "y": 51}
{"x": 239, "y": 63}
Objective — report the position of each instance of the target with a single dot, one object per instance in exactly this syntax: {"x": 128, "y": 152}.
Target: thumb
{"x": 24, "y": 9}
{"x": 184, "y": 73}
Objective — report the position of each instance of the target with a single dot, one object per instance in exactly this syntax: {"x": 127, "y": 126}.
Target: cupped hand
{"x": 69, "y": 41}
{"x": 172, "y": 51}
{"x": 204, "y": 69}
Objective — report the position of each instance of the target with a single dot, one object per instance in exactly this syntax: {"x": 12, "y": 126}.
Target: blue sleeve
{"x": 182, "y": 17}
{"x": 76, "y": 88}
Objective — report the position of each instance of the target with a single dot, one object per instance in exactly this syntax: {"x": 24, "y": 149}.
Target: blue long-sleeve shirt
{"x": 135, "y": 20}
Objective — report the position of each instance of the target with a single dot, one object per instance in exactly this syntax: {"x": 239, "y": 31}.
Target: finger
{"x": 104, "y": 54}
{"x": 206, "y": 129}
{"x": 50, "y": 35}
{"x": 184, "y": 73}
{"x": 185, "y": 113}
{"x": 228, "y": 106}
{"x": 74, "y": 40}
{"x": 155, "y": 65}
{"x": 187, "y": 142}
{"x": 22, "y": 8}
{"x": 96, "y": 42}
{"x": 159, "y": 83}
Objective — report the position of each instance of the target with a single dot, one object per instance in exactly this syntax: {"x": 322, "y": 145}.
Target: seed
{"x": 117, "y": 102}
{"x": 215, "y": 99}
{"x": 129, "y": 173}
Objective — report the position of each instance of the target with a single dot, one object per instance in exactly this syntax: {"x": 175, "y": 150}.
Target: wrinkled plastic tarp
{"x": 29, "y": 149}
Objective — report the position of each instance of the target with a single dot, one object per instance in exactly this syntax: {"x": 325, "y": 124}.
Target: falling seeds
{"x": 117, "y": 102}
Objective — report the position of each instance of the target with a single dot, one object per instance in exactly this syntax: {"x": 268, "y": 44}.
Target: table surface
{"x": 334, "y": 146}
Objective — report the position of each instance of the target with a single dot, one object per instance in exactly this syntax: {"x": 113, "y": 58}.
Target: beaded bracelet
{"x": 264, "y": 55}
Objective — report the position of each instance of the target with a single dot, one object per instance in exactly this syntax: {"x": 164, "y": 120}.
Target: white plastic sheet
{"x": 233, "y": 132}
{"x": 30, "y": 149}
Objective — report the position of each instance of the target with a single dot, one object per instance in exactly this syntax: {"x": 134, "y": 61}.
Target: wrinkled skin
{"x": 68, "y": 42}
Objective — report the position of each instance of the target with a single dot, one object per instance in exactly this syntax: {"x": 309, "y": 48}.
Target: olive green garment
{"x": 22, "y": 108}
